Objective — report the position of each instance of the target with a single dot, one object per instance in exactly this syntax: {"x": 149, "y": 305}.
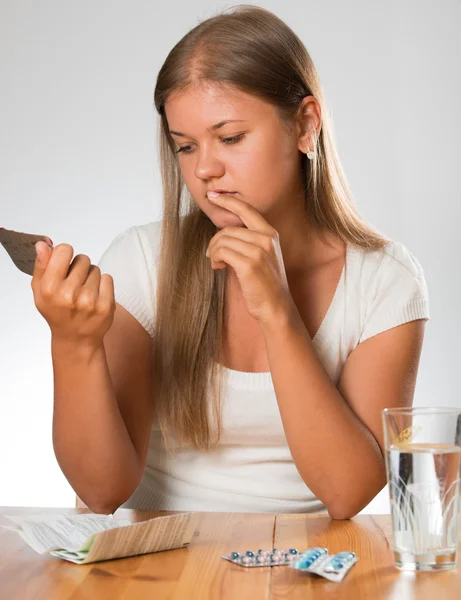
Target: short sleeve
{"x": 397, "y": 293}
{"x": 131, "y": 260}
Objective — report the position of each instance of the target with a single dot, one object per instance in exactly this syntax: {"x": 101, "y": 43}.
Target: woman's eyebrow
{"x": 212, "y": 128}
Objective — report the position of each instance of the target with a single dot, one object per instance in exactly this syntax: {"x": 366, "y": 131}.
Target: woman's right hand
{"x": 75, "y": 299}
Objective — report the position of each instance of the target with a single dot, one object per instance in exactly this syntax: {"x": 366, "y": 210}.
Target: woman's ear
{"x": 309, "y": 123}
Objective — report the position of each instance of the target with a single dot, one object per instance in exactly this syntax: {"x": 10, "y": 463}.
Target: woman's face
{"x": 254, "y": 157}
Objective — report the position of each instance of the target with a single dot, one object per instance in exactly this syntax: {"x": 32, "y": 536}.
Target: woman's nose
{"x": 208, "y": 166}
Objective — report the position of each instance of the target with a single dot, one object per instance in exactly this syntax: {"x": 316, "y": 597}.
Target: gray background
{"x": 79, "y": 164}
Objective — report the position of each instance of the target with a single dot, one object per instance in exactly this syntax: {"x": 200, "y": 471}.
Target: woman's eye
{"x": 183, "y": 149}
{"x": 229, "y": 140}
{"x": 233, "y": 140}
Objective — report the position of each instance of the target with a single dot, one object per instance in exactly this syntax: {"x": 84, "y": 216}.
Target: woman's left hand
{"x": 256, "y": 257}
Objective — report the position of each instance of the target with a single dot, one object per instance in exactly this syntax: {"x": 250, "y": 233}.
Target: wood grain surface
{"x": 198, "y": 572}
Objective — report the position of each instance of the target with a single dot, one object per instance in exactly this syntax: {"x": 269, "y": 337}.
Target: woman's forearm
{"x": 337, "y": 456}
{"x": 90, "y": 439}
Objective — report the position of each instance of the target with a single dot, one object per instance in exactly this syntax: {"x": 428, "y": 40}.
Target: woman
{"x": 257, "y": 331}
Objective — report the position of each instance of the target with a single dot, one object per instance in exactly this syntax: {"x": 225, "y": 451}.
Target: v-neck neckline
{"x": 330, "y": 310}
{"x": 262, "y": 379}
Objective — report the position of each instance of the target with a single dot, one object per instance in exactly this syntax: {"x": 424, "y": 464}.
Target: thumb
{"x": 43, "y": 253}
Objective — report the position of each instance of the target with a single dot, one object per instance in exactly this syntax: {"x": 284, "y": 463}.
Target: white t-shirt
{"x": 252, "y": 469}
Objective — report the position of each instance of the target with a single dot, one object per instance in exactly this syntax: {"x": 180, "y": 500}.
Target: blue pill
{"x": 235, "y": 554}
{"x": 250, "y": 553}
{"x": 303, "y": 564}
{"x": 346, "y": 555}
{"x": 299, "y": 564}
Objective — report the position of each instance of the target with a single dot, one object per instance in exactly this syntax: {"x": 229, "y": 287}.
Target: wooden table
{"x": 198, "y": 572}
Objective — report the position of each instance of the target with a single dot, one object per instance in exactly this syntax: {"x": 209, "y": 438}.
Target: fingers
{"x": 53, "y": 267}
{"x": 51, "y": 264}
{"x": 43, "y": 253}
{"x": 72, "y": 295}
{"x": 59, "y": 262}
{"x": 255, "y": 238}
{"x": 79, "y": 271}
{"x": 97, "y": 294}
{"x": 106, "y": 292}
{"x": 81, "y": 288}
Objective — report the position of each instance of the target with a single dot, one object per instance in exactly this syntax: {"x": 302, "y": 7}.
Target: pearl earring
{"x": 310, "y": 153}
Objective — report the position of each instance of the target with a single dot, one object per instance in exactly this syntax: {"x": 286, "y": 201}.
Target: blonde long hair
{"x": 251, "y": 49}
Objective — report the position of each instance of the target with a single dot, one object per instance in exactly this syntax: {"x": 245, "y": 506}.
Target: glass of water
{"x": 423, "y": 458}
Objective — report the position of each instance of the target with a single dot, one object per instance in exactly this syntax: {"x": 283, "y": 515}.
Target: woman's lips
{"x": 216, "y": 194}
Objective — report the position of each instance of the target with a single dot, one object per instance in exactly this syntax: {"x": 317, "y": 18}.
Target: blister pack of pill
{"x": 263, "y": 558}
{"x": 331, "y": 566}
{"x": 21, "y": 247}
